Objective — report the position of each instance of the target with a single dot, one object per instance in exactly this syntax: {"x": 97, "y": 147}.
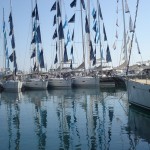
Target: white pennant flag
{"x": 114, "y": 45}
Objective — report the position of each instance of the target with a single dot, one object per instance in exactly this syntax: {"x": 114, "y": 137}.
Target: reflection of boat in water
{"x": 139, "y": 122}
{"x": 73, "y": 92}
{"x": 35, "y": 95}
{"x": 11, "y": 96}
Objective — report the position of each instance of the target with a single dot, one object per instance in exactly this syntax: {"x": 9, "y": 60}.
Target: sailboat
{"x": 34, "y": 81}
{"x": 84, "y": 79}
{"x": 12, "y": 84}
{"x": 138, "y": 89}
{"x": 59, "y": 78}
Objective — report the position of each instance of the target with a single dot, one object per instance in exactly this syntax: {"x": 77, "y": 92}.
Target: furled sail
{"x": 65, "y": 54}
{"x": 108, "y": 56}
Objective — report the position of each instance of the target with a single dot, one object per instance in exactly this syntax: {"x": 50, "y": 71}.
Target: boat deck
{"x": 144, "y": 81}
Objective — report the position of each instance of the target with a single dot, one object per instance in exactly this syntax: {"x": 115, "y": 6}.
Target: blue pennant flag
{"x": 58, "y": 10}
{"x": 36, "y": 14}
{"x": 56, "y": 59}
{"x": 12, "y": 57}
{"x": 108, "y": 56}
{"x": 87, "y": 29}
{"x": 53, "y": 7}
{"x": 95, "y": 39}
{"x": 54, "y": 22}
{"x": 72, "y": 50}
{"x": 33, "y": 53}
{"x": 13, "y": 41}
{"x": 33, "y": 13}
{"x": 33, "y": 39}
{"x": 72, "y": 38}
{"x": 83, "y": 4}
{"x": 34, "y": 68}
{"x": 38, "y": 40}
{"x": 105, "y": 37}
{"x": 60, "y": 31}
{"x": 95, "y": 51}
{"x": 95, "y": 27}
{"x": 94, "y": 13}
{"x": 41, "y": 59}
{"x": 71, "y": 65}
{"x": 72, "y": 19}
{"x": 100, "y": 12}
{"x": 73, "y": 3}
{"x": 91, "y": 51}
{"x": 4, "y": 26}
{"x": 65, "y": 54}
{"x": 56, "y": 46}
{"x": 55, "y": 34}
{"x": 94, "y": 60}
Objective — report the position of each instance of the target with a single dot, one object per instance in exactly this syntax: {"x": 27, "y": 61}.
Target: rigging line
{"x": 132, "y": 36}
{"x": 122, "y": 105}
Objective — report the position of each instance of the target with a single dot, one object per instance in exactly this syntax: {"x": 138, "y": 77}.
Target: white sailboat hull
{"x": 12, "y": 85}
{"x": 35, "y": 84}
{"x": 138, "y": 93}
{"x": 85, "y": 81}
{"x": 59, "y": 82}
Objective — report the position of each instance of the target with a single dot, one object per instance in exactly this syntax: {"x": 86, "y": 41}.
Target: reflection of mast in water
{"x": 74, "y": 124}
{"x": 16, "y": 121}
{"x": 9, "y": 115}
{"x": 41, "y": 123}
{"x": 64, "y": 123}
{"x": 111, "y": 114}
{"x": 13, "y": 117}
{"x": 91, "y": 121}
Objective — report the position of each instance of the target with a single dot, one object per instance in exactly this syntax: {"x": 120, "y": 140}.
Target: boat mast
{"x": 61, "y": 41}
{"x": 83, "y": 46}
{"x": 37, "y": 44}
{"x": 31, "y": 31}
{"x": 125, "y": 45}
{"x": 4, "y": 47}
{"x": 13, "y": 48}
{"x": 88, "y": 37}
{"x": 98, "y": 8}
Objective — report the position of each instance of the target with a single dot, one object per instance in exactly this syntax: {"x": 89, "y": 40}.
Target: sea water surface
{"x": 75, "y": 119}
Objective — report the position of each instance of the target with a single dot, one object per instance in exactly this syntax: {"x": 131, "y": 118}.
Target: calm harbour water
{"x": 77, "y": 119}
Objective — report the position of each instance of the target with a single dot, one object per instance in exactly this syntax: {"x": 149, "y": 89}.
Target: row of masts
{"x": 61, "y": 42}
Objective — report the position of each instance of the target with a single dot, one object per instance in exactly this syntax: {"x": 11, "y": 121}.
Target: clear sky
{"x": 21, "y": 11}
